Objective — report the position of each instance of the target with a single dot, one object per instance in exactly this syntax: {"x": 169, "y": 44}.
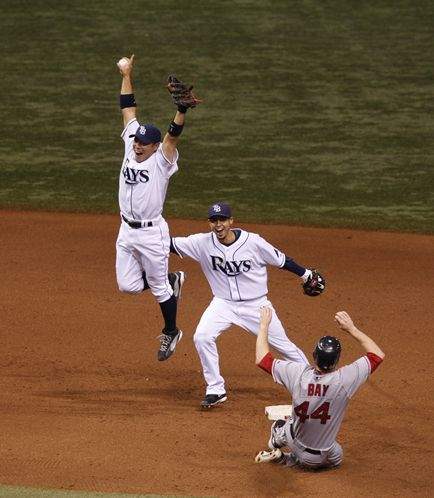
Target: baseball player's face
{"x": 221, "y": 226}
{"x": 143, "y": 151}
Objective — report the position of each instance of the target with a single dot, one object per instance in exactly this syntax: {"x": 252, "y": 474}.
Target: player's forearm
{"x": 127, "y": 100}
{"x": 127, "y": 85}
{"x": 366, "y": 342}
{"x": 171, "y": 138}
{"x": 262, "y": 347}
{"x": 179, "y": 118}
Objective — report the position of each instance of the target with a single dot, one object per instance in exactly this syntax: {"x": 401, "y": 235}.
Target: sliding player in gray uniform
{"x": 142, "y": 246}
{"x": 320, "y": 395}
{"x": 235, "y": 264}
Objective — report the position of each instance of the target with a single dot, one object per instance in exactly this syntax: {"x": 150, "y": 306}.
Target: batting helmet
{"x": 327, "y": 352}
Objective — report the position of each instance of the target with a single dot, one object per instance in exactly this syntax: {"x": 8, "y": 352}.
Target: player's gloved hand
{"x": 314, "y": 284}
{"x": 182, "y": 94}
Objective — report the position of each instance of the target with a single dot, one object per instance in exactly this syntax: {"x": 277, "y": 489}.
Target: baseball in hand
{"x": 123, "y": 63}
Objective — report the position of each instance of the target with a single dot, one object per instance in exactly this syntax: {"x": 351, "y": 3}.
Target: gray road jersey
{"x": 143, "y": 186}
{"x": 237, "y": 272}
{"x": 319, "y": 401}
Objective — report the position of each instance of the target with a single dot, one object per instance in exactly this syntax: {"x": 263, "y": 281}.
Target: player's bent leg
{"x": 128, "y": 271}
{"x": 160, "y": 286}
{"x": 170, "y": 335}
{"x": 335, "y": 455}
{"x": 176, "y": 281}
{"x": 277, "y": 435}
{"x": 163, "y": 292}
{"x": 325, "y": 460}
{"x": 135, "y": 287}
{"x": 310, "y": 461}
{"x": 168, "y": 342}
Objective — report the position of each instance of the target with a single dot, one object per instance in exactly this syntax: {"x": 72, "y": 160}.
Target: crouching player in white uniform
{"x": 320, "y": 395}
{"x": 235, "y": 264}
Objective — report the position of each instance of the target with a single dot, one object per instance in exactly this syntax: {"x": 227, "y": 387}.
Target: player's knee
{"x": 313, "y": 463}
{"x": 131, "y": 287}
{"x": 160, "y": 288}
{"x": 201, "y": 338}
{"x": 336, "y": 458}
{"x": 162, "y": 296}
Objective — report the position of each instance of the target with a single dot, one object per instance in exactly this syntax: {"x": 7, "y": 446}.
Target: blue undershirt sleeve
{"x": 293, "y": 267}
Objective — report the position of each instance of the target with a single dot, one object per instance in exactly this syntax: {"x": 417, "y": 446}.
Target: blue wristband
{"x": 175, "y": 129}
{"x": 127, "y": 100}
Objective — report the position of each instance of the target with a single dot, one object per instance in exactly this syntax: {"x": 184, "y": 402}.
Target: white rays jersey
{"x": 143, "y": 186}
{"x": 142, "y": 191}
{"x": 236, "y": 272}
{"x": 319, "y": 400}
{"x": 237, "y": 275}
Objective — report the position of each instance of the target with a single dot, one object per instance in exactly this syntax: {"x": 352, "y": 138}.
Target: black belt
{"x": 137, "y": 224}
{"x": 308, "y": 450}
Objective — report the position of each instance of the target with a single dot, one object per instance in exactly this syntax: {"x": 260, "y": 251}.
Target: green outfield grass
{"x": 315, "y": 113}
{"x": 17, "y": 492}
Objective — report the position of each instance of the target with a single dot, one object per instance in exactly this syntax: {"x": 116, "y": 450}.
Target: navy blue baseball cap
{"x": 147, "y": 134}
{"x": 219, "y": 209}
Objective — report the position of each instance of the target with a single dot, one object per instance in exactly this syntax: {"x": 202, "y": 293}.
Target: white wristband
{"x": 306, "y": 275}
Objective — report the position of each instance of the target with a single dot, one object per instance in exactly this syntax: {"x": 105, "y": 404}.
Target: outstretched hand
{"x": 344, "y": 321}
{"x": 266, "y": 314}
{"x": 262, "y": 348}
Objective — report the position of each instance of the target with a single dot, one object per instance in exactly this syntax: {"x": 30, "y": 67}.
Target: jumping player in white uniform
{"x": 234, "y": 262}
{"x": 320, "y": 395}
{"x": 142, "y": 247}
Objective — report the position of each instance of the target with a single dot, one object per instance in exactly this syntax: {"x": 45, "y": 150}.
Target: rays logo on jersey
{"x": 133, "y": 176}
{"x": 230, "y": 268}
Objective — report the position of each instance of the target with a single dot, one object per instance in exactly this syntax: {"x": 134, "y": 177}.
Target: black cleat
{"x": 176, "y": 281}
{"x": 168, "y": 344}
{"x": 213, "y": 399}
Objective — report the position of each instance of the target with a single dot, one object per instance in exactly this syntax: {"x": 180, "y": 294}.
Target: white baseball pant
{"x": 218, "y": 317}
{"x": 141, "y": 250}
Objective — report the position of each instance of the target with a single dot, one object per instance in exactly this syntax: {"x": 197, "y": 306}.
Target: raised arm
{"x": 184, "y": 99}
{"x": 126, "y": 99}
{"x": 346, "y": 323}
{"x": 262, "y": 347}
{"x": 171, "y": 138}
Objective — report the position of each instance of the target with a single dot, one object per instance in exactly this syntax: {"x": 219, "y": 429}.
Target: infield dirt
{"x": 86, "y": 405}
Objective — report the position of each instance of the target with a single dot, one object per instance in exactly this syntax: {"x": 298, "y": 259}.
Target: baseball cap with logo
{"x": 219, "y": 209}
{"x": 147, "y": 134}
